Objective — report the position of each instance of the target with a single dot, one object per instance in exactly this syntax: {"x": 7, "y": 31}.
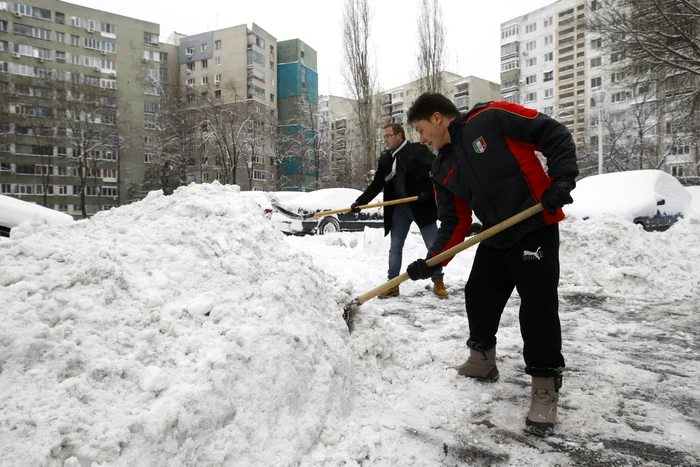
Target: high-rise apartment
{"x": 75, "y": 90}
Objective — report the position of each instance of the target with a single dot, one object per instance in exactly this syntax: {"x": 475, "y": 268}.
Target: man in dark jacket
{"x": 487, "y": 163}
{"x": 403, "y": 171}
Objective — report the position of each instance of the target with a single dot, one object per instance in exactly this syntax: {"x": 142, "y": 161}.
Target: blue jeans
{"x": 400, "y": 226}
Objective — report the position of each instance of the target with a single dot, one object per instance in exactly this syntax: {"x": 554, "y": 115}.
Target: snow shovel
{"x": 339, "y": 211}
{"x": 352, "y": 307}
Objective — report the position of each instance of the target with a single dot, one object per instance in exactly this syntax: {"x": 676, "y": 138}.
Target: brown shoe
{"x": 439, "y": 288}
{"x": 392, "y": 292}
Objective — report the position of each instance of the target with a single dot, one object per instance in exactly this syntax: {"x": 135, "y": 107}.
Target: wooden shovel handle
{"x": 435, "y": 260}
{"x": 367, "y": 206}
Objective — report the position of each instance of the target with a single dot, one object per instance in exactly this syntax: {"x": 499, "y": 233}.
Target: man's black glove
{"x": 424, "y": 196}
{"x": 419, "y": 269}
{"x": 559, "y": 194}
{"x": 354, "y": 207}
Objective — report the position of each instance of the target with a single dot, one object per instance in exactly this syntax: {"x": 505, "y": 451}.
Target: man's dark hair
{"x": 396, "y": 129}
{"x": 428, "y": 103}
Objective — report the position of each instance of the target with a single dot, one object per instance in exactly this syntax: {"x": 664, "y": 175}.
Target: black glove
{"x": 354, "y": 207}
{"x": 419, "y": 269}
{"x": 558, "y": 194}
{"x": 424, "y": 196}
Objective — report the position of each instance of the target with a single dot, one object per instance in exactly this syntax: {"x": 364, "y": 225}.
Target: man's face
{"x": 392, "y": 140}
{"x": 433, "y": 132}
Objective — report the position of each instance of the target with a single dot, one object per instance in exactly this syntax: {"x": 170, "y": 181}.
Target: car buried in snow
{"x": 14, "y": 211}
{"x": 294, "y": 216}
{"x": 653, "y": 199}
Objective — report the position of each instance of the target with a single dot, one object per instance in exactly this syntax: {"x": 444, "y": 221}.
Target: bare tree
{"x": 360, "y": 77}
{"x": 431, "y": 54}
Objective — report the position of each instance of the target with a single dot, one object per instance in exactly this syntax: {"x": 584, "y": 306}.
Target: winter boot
{"x": 480, "y": 365}
{"x": 392, "y": 292}
{"x": 439, "y": 288}
{"x": 543, "y": 405}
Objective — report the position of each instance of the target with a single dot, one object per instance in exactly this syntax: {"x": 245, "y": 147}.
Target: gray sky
{"x": 473, "y": 29}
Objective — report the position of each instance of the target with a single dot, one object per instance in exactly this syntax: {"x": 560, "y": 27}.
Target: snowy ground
{"x": 184, "y": 330}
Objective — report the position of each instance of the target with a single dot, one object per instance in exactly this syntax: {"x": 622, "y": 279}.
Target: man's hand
{"x": 559, "y": 194}
{"x": 354, "y": 207}
{"x": 425, "y": 196}
{"x": 419, "y": 269}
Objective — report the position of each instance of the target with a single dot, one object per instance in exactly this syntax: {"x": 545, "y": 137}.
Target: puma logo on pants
{"x": 530, "y": 255}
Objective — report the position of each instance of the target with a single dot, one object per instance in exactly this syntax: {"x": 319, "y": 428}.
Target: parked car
{"x": 650, "y": 198}
{"x": 307, "y": 204}
{"x": 14, "y": 211}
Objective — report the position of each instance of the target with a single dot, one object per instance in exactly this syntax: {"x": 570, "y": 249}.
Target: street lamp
{"x": 599, "y": 98}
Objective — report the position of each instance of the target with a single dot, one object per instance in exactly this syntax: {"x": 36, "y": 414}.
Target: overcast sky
{"x": 473, "y": 29}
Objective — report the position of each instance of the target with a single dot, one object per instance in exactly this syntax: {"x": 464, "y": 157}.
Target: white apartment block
{"x": 552, "y": 62}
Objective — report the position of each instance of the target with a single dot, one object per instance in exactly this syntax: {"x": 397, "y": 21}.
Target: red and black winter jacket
{"x": 491, "y": 167}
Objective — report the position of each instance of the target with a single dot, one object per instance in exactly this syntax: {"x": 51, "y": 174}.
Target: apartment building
{"x": 465, "y": 92}
{"x": 544, "y": 63}
{"x": 234, "y": 69}
{"x": 74, "y": 97}
{"x": 337, "y": 122}
{"x": 553, "y": 62}
{"x": 297, "y": 103}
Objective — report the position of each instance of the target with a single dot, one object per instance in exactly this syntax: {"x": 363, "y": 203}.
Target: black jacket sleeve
{"x": 377, "y": 184}
{"x": 547, "y": 135}
{"x": 455, "y": 217}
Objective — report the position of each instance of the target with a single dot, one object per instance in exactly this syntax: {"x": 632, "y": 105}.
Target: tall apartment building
{"x": 553, "y": 62}
{"x": 544, "y": 63}
{"x": 71, "y": 79}
{"x": 233, "y": 68}
{"x": 336, "y": 122}
{"x": 297, "y": 103}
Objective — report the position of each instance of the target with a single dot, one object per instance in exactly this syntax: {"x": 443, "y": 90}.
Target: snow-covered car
{"x": 695, "y": 199}
{"x": 14, "y": 211}
{"x": 326, "y": 199}
{"x": 650, "y": 198}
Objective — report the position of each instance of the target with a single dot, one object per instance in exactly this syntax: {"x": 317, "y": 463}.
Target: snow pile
{"x": 611, "y": 256}
{"x": 179, "y": 330}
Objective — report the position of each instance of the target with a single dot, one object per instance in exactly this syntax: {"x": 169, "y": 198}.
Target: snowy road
{"x": 630, "y": 388}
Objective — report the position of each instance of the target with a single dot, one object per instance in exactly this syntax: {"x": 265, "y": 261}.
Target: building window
{"x": 532, "y": 79}
{"x": 189, "y": 82}
{"x": 190, "y": 66}
{"x": 217, "y": 79}
{"x": 272, "y": 97}
{"x": 204, "y": 64}
{"x": 596, "y": 62}
{"x": 205, "y": 80}
{"x": 549, "y": 40}
{"x": 548, "y": 76}
{"x": 217, "y": 45}
{"x": 596, "y": 82}
{"x": 618, "y": 97}
{"x": 549, "y": 57}
{"x": 148, "y": 158}
{"x": 258, "y": 175}
{"x": 532, "y": 45}
{"x": 150, "y": 38}
{"x": 217, "y": 93}
{"x": 531, "y": 61}
{"x": 548, "y": 21}
{"x": 530, "y": 28}
{"x": 616, "y": 57}
{"x": 597, "y": 43}
{"x": 617, "y": 77}
{"x": 511, "y": 65}
{"x": 189, "y": 51}
{"x": 511, "y": 31}
{"x": 217, "y": 61}
{"x": 549, "y": 93}
{"x": 75, "y": 40}
{"x": 531, "y": 97}
{"x": 203, "y": 47}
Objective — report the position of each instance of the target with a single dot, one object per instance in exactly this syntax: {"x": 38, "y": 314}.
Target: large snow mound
{"x": 179, "y": 330}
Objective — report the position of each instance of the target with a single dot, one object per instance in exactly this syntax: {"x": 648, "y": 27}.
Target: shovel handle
{"x": 368, "y": 206}
{"x": 435, "y": 260}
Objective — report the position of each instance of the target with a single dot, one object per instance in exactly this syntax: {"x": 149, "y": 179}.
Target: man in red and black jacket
{"x": 487, "y": 163}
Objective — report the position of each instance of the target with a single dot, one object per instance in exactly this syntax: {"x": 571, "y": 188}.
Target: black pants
{"x": 531, "y": 266}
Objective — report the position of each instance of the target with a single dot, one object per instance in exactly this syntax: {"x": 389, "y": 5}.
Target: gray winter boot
{"x": 543, "y": 405}
{"x": 480, "y": 365}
